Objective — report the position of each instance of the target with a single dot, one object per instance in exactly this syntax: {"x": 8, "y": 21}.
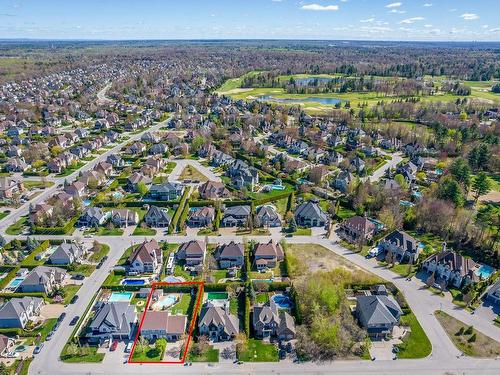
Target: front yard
{"x": 416, "y": 344}
{"x": 259, "y": 351}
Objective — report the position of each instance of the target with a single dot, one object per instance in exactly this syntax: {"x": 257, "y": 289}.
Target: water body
{"x": 327, "y": 101}
{"x": 307, "y": 81}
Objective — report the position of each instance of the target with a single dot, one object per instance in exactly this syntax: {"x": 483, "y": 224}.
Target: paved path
{"x": 379, "y": 173}
{"x": 444, "y": 357}
{"x": 101, "y": 96}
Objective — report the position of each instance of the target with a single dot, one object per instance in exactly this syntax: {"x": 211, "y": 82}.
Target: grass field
{"x": 191, "y": 173}
{"x": 259, "y": 351}
{"x": 471, "y": 343}
{"x": 417, "y": 344}
{"x": 209, "y": 355}
{"x": 232, "y": 87}
{"x": 17, "y": 228}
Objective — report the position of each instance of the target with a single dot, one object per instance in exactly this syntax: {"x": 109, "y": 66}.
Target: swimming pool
{"x": 172, "y": 279}
{"x": 87, "y": 202}
{"x": 117, "y": 195}
{"x": 484, "y": 271}
{"x": 167, "y": 301}
{"x": 217, "y": 295}
{"x": 282, "y": 301}
{"x": 133, "y": 282}
{"x": 14, "y": 283}
{"x": 120, "y": 297}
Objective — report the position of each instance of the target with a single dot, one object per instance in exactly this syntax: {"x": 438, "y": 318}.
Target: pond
{"x": 322, "y": 100}
{"x": 309, "y": 80}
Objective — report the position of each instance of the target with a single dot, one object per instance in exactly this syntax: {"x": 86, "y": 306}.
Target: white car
{"x": 128, "y": 348}
{"x": 13, "y": 355}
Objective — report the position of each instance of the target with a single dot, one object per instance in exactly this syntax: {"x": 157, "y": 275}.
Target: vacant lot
{"x": 191, "y": 173}
{"x": 308, "y": 258}
{"x": 467, "y": 339}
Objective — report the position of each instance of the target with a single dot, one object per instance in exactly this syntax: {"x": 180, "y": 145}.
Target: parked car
{"x": 74, "y": 320}
{"x": 289, "y": 347}
{"x": 282, "y": 354}
{"x": 38, "y": 348}
{"x": 49, "y": 336}
{"x": 114, "y": 345}
{"x": 61, "y": 317}
{"x": 79, "y": 277}
{"x": 74, "y": 299}
{"x": 12, "y": 355}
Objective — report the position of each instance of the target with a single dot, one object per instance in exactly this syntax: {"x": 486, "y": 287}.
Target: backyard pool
{"x": 14, "y": 283}
{"x": 173, "y": 279}
{"x": 484, "y": 271}
{"x": 133, "y": 282}
{"x": 117, "y": 195}
{"x": 87, "y": 202}
{"x": 217, "y": 295}
{"x": 120, "y": 297}
{"x": 282, "y": 301}
{"x": 167, "y": 301}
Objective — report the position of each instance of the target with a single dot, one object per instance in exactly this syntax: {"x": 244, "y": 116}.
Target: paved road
{"x": 101, "y": 96}
{"x": 444, "y": 357}
{"x": 379, "y": 173}
{"x": 48, "y": 192}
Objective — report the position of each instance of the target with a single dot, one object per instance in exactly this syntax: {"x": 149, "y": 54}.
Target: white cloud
{"x": 393, "y": 5}
{"x": 318, "y": 7}
{"x": 412, "y": 20}
{"x": 495, "y": 30}
{"x": 469, "y": 16}
{"x": 397, "y": 11}
{"x": 367, "y": 20}
{"x": 428, "y": 25}
{"x": 427, "y": 5}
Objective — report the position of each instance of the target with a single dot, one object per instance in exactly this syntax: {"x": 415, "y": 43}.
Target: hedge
{"x": 66, "y": 229}
{"x": 137, "y": 203}
{"x": 31, "y": 258}
{"x": 178, "y": 212}
{"x": 183, "y": 216}
{"x": 273, "y": 198}
{"x": 6, "y": 280}
{"x": 247, "y": 315}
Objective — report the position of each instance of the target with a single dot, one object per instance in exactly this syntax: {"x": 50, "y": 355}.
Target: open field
{"x": 467, "y": 339}
{"x": 479, "y": 90}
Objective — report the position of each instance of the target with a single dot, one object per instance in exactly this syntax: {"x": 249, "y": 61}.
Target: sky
{"x": 422, "y": 20}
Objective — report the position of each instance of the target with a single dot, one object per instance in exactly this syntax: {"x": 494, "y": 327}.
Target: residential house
{"x": 358, "y": 164}
{"x": 230, "y": 255}
{"x": 104, "y": 168}
{"x": 401, "y": 245}
{"x": 217, "y": 323}
{"x": 267, "y": 255}
{"x": 115, "y": 160}
{"x": 168, "y": 191}
{"x": 343, "y": 180}
{"x": 378, "y": 314}
{"x": 356, "y": 228}
{"x": 243, "y": 175}
{"x": 123, "y": 217}
{"x": 15, "y": 164}
{"x": 451, "y": 268}
{"x": 17, "y": 312}
{"x": 192, "y": 253}
{"x": 135, "y": 179}
{"x": 6, "y": 345}
{"x": 310, "y": 214}
{"x": 146, "y": 258}
{"x": 220, "y": 159}
{"x": 77, "y": 189}
{"x": 269, "y": 321}
{"x": 112, "y": 321}
{"x": 67, "y": 253}
{"x": 201, "y": 217}
{"x": 267, "y": 216}
{"x": 42, "y": 279}
{"x": 163, "y": 325}
{"x": 235, "y": 216}
{"x": 493, "y": 294}
{"x": 213, "y": 190}
{"x": 10, "y": 186}
{"x": 93, "y": 217}
{"x": 157, "y": 217}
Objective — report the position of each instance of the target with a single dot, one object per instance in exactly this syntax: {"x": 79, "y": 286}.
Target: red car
{"x": 113, "y": 346}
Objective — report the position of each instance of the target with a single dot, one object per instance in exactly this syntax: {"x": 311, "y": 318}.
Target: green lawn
{"x": 183, "y": 305}
{"x": 97, "y": 256}
{"x": 416, "y": 345}
{"x": 261, "y": 298}
{"x": 471, "y": 343}
{"x": 259, "y": 351}
{"x": 70, "y": 291}
{"x": 84, "y": 355}
{"x": 138, "y": 231}
{"x": 32, "y": 184}
{"x": 101, "y": 231}
{"x": 17, "y": 228}
{"x": 83, "y": 269}
{"x": 150, "y": 354}
{"x": 210, "y": 355}
{"x": 44, "y": 331}
{"x": 4, "y": 214}
{"x": 302, "y": 232}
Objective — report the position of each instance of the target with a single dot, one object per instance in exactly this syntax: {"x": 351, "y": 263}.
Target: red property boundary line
{"x": 191, "y": 325}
